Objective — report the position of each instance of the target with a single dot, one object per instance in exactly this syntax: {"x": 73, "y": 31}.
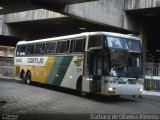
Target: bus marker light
{"x": 70, "y": 77}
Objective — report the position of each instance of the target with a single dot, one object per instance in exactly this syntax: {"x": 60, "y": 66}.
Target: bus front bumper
{"x": 129, "y": 89}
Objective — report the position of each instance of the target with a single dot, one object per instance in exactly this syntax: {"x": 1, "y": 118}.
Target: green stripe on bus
{"x": 54, "y": 70}
{"x": 59, "y": 69}
{"x": 62, "y": 70}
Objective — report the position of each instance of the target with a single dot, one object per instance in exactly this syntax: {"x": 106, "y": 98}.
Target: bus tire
{"x": 79, "y": 87}
{"x": 28, "y": 78}
{"x": 22, "y": 76}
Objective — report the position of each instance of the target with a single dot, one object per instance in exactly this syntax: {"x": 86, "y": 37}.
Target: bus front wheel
{"x": 79, "y": 87}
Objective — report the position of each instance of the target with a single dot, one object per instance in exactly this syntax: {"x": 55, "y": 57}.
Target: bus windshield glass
{"x": 124, "y": 64}
{"x": 118, "y": 63}
{"x": 123, "y": 43}
{"x": 134, "y": 65}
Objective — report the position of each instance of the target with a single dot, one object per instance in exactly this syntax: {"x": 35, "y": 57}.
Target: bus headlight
{"x": 110, "y": 89}
{"x": 140, "y": 89}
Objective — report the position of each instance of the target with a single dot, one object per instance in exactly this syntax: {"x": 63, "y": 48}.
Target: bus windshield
{"x": 118, "y": 63}
{"x": 124, "y": 64}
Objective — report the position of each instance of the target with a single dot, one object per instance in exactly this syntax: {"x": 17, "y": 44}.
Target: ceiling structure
{"x": 10, "y": 6}
{"x": 60, "y": 26}
{"x": 150, "y": 17}
{"x": 41, "y": 27}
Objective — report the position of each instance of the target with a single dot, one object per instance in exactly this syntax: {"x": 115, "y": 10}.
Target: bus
{"x": 92, "y": 62}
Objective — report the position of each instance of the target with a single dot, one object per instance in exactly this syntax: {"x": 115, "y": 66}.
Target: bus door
{"x": 96, "y": 63}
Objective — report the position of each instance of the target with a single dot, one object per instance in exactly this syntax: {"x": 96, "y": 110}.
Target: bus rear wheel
{"x": 28, "y": 78}
{"x": 22, "y": 76}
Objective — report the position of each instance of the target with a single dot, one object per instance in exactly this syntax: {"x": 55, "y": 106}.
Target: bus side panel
{"x": 39, "y": 73}
{"x": 58, "y": 70}
{"x": 17, "y": 71}
{"x": 42, "y": 72}
{"x": 75, "y": 70}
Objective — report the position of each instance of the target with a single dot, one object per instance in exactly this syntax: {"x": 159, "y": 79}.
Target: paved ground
{"x": 41, "y": 101}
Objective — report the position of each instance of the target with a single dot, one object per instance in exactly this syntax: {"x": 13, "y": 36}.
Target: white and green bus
{"x": 92, "y": 62}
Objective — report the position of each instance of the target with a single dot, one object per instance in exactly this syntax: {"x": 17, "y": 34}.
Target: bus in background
{"x": 92, "y": 62}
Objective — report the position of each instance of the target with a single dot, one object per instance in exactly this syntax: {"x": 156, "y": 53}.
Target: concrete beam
{"x": 10, "y": 6}
{"x": 11, "y": 24}
{"x": 32, "y": 15}
{"x": 141, "y": 4}
{"x": 47, "y": 1}
{"x": 107, "y": 12}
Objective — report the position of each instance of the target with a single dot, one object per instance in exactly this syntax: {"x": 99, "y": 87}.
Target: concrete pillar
{"x": 143, "y": 38}
{"x": 131, "y": 23}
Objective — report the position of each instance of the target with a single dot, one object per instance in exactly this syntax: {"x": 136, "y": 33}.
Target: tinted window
{"x": 21, "y": 50}
{"x": 30, "y": 49}
{"x": 51, "y": 47}
{"x": 61, "y": 46}
{"x": 39, "y": 48}
{"x": 72, "y": 46}
{"x": 134, "y": 45}
{"x": 77, "y": 45}
{"x": 95, "y": 41}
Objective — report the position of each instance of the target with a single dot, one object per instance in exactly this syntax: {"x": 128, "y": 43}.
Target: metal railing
{"x": 152, "y": 76}
{"x": 6, "y": 70}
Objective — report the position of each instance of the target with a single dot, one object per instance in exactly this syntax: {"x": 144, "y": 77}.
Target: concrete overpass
{"x": 140, "y": 17}
{"x": 11, "y": 6}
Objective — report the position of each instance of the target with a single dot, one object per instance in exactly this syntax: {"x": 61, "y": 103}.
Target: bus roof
{"x": 85, "y": 34}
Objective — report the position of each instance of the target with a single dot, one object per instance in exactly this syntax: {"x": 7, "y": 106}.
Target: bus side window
{"x": 50, "y": 47}
{"x": 61, "y": 46}
{"x": 72, "y": 46}
{"x": 68, "y": 44}
{"x": 40, "y": 48}
{"x": 77, "y": 45}
{"x": 30, "y": 49}
{"x": 23, "y": 50}
{"x": 95, "y": 41}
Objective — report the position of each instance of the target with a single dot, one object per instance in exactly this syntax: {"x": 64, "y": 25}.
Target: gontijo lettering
{"x": 35, "y": 60}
